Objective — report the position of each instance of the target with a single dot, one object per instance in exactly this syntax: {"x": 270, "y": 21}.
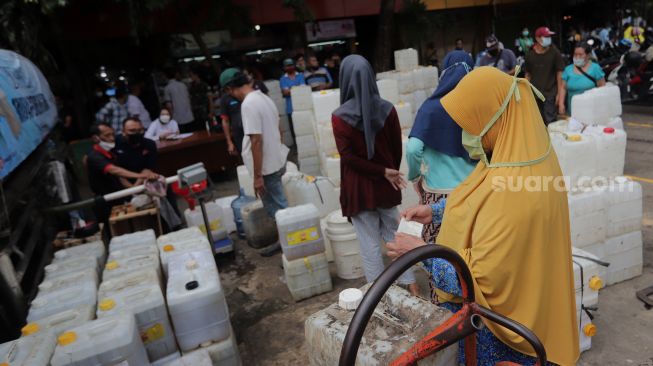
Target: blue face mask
{"x": 580, "y": 62}
{"x": 524, "y": 33}
{"x": 546, "y": 42}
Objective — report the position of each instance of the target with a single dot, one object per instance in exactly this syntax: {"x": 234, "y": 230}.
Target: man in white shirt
{"x": 178, "y": 101}
{"x": 263, "y": 152}
{"x": 135, "y": 106}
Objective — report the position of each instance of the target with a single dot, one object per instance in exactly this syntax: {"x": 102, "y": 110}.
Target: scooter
{"x": 633, "y": 75}
{"x": 462, "y": 325}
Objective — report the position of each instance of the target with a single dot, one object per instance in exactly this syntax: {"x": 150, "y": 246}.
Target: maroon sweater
{"x": 363, "y": 185}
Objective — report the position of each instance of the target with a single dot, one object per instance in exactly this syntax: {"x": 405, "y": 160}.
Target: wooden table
{"x": 209, "y": 148}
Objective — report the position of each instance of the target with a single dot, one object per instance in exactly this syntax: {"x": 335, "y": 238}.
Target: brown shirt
{"x": 542, "y": 68}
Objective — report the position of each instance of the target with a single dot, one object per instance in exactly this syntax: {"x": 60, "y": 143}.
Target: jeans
{"x": 373, "y": 228}
{"x": 274, "y": 198}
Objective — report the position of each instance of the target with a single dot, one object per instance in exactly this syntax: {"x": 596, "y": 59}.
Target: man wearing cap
{"x": 543, "y": 67}
{"x": 497, "y": 56}
{"x": 263, "y": 152}
{"x": 288, "y": 80}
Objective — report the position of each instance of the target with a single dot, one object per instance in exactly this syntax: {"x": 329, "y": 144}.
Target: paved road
{"x": 625, "y": 327}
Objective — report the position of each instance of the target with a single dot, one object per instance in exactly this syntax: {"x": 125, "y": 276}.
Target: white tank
{"x": 589, "y": 277}
{"x": 60, "y": 322}
{"x": 179, "y": 235}
{"x": 419, "y": 81}
{"x": 345, "y": 246}
{"x": 169, "y": 358}
{"x": 324, "y": 103}
{"x": 128, "y": 281}
{"x": 624, "y": 253}
{"x": 588, "y": 217}
{"x": 198, "y": 259}
{"x": 198, "y": 357}
{"x": 308, "y": 276}
{"x": 576, "y": 155}
{"x": 227, "y": 212}
{"x": 304, "y": 123}
{"x": 245, "y": 180}
{"x": 138, "y": 238}
{"x": 149, "y": 307}
{"x": 331, "y": 168}
{"x": 597, "y": 105}
{"x": 327, "y": 140}
{"x": 35, "y": 350}
{"x": 224, "y": 353}
{"x": 57, "y": 301}
{"x": 299, "y": 230}
{"x": 328, "y": 250}
{"x": 624, "y": 199}
{"x": 301, "y": 97}
{"x": 132, "y": 251}
{"x": 616, "y": 122}
{"x": 587, "y": 330}
{"x": 106, "y": 341}
{"x": 119, "y": 267}
{"x": 319, "y": 191}
{"x": 214, "y": 215}
{"x": 405, "y": 114}
{"x": 260, "y": 228}
{"x": 431, "y": 77}
{"x": 95, "y": 249}
{"x": 198, "y": 308}
{"x": 405, "y": 82}
{"x": 172, "y": 250}
{"x": 389, "y": 90}
{"x": 72, "y": 265}
{"x": 399, "y": 321}
{"x": 306, "y": 146}
{"x": 406, "y": 59}
{"x": 611, "y": 150}
{"x": 69, "y": 280}
{"x": 419, "y": 96}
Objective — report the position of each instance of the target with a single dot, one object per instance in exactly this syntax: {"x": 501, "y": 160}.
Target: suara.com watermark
{"x": 536, "y": 183}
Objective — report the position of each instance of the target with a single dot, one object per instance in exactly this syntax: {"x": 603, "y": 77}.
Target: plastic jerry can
{"x": 227, "y": 212}
{"x": 587, "y": 331}
{"x": 137, "y": 238}
{"x": 308, "y": 276}
{"x": 398, "y": 322}
{"x": 214, "y": 216}
{"x": 179, "y": 235}
{"x": 199, "y": 357}
{"x": 388, "y": 90}
{"x": 576, "y": 155}
{"x": 35, "y": 350}
{"x": 106, "y": 341}
{"x": 245, "y": 180}
{"x": 119, "y": 267}
{"x": 236, "y": 206}
{"x": 260, "y": 228}
{"x": 128, "y": 281}
{"x": 611, "y": 150}
{"x": 149, "y": 307}
{"x": 624, "y": 199}
{"x": 223, "y": 353}
{"x": 589, "y": 277}
{"x": 624, "y": 253}
{"x": 169, "y": 358}
{"x": 405, "y": 113}
{"x": 172, "y": 250}
{"x": 132, "y": 251}
{"x": 588, "y": 217}
{"x": 198, "y": 308}
{"x": 324, "y": 103}
{"x": 95, "y": 249}
{"x": 60, "y": 322}
{"x": 69, "y": 280}
{"x": 197, "y": 259}
{"x": 304, "y": 123}
{"x": 57, "y": 301}
{"x": 72, "y": 265}
{"x": 299, "y": 229}
{"x": 301, "y": 98}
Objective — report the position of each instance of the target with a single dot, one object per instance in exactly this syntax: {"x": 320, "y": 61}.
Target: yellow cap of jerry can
{"x": 574, "y": 138}
{"x": 106, "y": 305}
{"x": 323, "y": 92}
{"x": 168, "y": 248}
{"x": 112, "y": 265}
{"x": 30, "y": 328}
{"x": 596, "y": 283}
{"x": 67, "y": 338}
{"x": 589, "y": 330}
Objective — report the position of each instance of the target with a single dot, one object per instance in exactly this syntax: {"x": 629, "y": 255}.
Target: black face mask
{"x": 135, "y": 139}
{"x": 493, "y": 52}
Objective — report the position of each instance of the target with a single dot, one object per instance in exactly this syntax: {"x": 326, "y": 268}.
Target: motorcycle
{"x": 634, "y": 75}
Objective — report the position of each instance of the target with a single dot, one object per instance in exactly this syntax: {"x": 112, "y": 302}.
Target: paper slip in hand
{"x": 410, "y": 227}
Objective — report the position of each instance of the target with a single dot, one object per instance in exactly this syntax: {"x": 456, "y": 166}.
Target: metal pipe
{"x": 382, "y": 284}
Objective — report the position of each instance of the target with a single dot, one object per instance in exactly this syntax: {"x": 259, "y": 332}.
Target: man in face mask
{"x": 543, "y": 67}
{"x": 318, "y": 78}
{"x": 133, "y": 151}
{"x": 497, "y": 56}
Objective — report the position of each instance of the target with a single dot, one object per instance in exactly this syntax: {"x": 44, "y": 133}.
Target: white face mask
{"x": 164, "y": 118}
{"x": 546, "y": 42}
{"x": 107, "y": 145}
{"x": 580, "y": 62}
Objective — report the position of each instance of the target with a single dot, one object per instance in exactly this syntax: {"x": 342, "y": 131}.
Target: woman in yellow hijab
{"x": 509, "y": 221}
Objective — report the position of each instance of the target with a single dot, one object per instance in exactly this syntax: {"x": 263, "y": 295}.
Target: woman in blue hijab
{"x": 437, "y": 160}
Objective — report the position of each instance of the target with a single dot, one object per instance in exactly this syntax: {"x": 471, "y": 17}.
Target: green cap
{"x": 228, "y": 76}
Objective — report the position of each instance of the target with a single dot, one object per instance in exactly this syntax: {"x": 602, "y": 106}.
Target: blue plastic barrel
{"x": 236, "y": 206}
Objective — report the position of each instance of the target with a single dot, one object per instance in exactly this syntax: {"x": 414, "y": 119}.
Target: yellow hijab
{"x": 515, "y": 242}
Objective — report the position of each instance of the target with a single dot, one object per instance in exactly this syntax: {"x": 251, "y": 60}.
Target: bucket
{"x": 346, "y": 252}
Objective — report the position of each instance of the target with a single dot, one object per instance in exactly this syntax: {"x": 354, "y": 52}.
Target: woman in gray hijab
{"x": 368, "y": 136}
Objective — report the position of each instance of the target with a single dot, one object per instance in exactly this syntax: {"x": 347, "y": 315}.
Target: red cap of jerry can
{"x": 608, "y": 130}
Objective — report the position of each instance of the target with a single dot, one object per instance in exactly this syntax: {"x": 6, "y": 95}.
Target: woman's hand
{"x": 395, "y": 178}
{"x": 402, "y": 244}
{"x": 422, "y": 214}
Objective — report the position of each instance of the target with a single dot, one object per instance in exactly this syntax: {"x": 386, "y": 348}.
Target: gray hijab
{"x": 361, "y": 105}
